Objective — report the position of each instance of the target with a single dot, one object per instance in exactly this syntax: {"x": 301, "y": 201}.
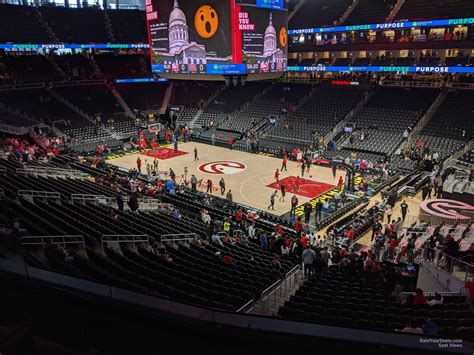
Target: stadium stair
{"x": 45, "y": 25}
{"x": 295, "y": 9}
{"x": 70, "y": 105}
{"x": 393, "y": 14}
{"x": 348, "y": 12}
{"x": 427, "y": 117}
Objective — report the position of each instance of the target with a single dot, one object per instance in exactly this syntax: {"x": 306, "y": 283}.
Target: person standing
{"x": 294, "y": 204}
{"x": 213, "y": 138}
{"x": 172, "y": 175}
{"x": 425, "y": 190}
{"x": 283, "y": 191}
{"x": 139, "y": 165}
{"x": 297, "y": 184}
{"x": 209, "y": 186}
{"x": 283, "y": 163}
{"x": 376, "y": 229}
{"x": 340, "y": 182}
{"x": 133, "y": 202}
{"x": 334, "y": 170}
{"x": 229, "y": 197}
{"x": 337, "y": 200}
{"x": 222, "y": 186}
{"x": 231, "y": 142}
{"x": 272, "y": 200}
{"x": 307, "y": 211}
{"x": 388, "y": 212}
{"x": 193, "y": 182}
{"x": 404, "y": 209}
{"x": 319, "y": 208}
{"x": 303, "y": 167}
{"x": 155, "y": 166}
{"x": 196, "y": 154}
{"x": 298, "y": 227}
{"x": 277, "y": 175}
{"x": 119, "y": 200}
{"x": 308, "y": 257}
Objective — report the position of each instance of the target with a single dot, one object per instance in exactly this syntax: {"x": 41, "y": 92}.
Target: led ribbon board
{"x": 384, "y": 69}
{"x": 29, "y": 46}
{"x": 386, "y": 26}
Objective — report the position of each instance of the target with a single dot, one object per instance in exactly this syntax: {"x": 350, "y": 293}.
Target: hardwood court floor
{"x": 246, "y": 174}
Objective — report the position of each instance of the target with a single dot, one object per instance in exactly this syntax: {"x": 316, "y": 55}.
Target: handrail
{"x": 129, "y": 238}
{"x": 447, "y": 264}
{"x": 270, "y": 290}
{"x": 117, "y": 238}
{"x": 50, "y": 240}
{"x": 177, "y": 237}
{"x": 87, "y": 197}
{"x": 35, "y": 193}
{"x": 246, "y": 308}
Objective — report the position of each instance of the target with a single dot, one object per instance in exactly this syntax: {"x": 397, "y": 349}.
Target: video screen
{"x": 189, "y": 35}
{"x": 263, "y": 38}
{"x": 216, "y": 37}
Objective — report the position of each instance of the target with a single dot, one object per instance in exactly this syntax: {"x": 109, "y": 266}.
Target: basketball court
{"x": 249, "y": 176}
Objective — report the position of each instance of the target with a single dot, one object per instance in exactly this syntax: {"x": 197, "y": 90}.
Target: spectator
{"x": 430, "y": 328}
{"x": 216, "y": 240}
{"x": 229, "y": 197}
{"x": 263, "y": 240}
{"x": 412, "y": 328}
{"x": 437, "y": 300}
{"x": 420, "y": 297}
{"x": 308, "y": 257}
{"x": 133, "y": 202}
{"x": 119, "y": 199}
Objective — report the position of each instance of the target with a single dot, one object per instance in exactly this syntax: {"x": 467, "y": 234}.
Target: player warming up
{"x": 283, "y": 163}
{"x": 277, "y": 175}
{"x": 196, "y": 158}
{"x": 272, "y": 200}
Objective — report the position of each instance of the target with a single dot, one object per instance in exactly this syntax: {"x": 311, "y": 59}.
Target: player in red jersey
{"x": 277, "y": 175}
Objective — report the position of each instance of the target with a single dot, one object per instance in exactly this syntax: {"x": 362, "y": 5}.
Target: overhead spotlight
{"x": 235, "y": 80}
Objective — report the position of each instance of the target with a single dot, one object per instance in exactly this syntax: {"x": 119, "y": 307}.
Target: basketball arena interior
{"x": 236, "y": 176}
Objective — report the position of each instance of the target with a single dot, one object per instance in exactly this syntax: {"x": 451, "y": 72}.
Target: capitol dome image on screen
{"x": 182, "y": 50}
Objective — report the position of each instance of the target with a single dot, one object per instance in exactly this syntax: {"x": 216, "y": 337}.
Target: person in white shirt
{"x": 437, "y": 300}
{"x": 251, "y": 231}
{"x": 285, "y": 251}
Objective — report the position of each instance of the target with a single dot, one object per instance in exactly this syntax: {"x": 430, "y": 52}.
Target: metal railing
{"x": 124, "y": 238}
{"x": 456, "y": 267}
{"x": 42, "y": 194}
{"x": 89, "y": 197}
{"x": 180, "y": 237}
{"x": 267, "y": 293}
{"x": 53, "y": 240}
{"x": 246, "y": 308}
{"x": 283, "y": 286}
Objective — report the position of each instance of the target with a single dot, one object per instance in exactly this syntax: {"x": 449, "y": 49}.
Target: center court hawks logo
{"x": 222, "y": 167}
{"x": 447, "y": 208}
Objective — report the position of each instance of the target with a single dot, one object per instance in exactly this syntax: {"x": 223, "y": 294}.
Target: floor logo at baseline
{"x": 222, "y": 167}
